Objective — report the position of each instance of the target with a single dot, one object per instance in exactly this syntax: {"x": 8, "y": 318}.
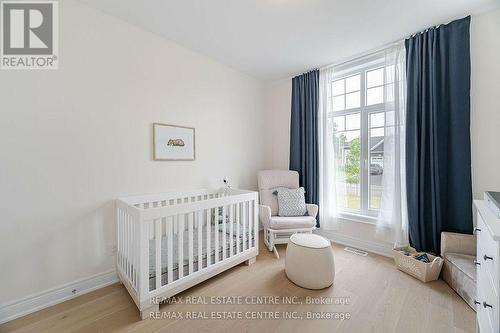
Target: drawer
{"x": 489, "y": 267}
{"x": 483, "y": 321}
{"x": 488, "y": 317}
{"x": 488, "y": 248}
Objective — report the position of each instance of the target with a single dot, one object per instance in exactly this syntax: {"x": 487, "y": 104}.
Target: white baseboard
{"x": 38, "y": 301}
{"x": 378, "y": 248}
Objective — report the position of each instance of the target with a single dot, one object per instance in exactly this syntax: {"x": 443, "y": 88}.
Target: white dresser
{"x": 488, "y": 269}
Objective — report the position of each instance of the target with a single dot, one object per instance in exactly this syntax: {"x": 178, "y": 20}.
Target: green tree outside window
{"x": 353, "y": 162}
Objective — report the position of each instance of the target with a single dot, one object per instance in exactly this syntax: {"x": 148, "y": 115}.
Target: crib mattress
{"x": 196, "y": 245}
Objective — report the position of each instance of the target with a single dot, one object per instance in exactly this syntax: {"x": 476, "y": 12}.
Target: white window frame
{"x": 361, "y": 66}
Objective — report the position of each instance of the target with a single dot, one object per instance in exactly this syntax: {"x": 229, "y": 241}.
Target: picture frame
{"x": 173, "y": 143}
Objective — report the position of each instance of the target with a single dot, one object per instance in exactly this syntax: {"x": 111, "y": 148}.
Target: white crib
{"x": 169, "y": 242}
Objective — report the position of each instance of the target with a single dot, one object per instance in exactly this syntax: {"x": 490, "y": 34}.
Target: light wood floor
{"x": 381, "y": 299}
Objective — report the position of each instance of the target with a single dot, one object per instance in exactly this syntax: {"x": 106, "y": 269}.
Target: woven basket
{"x": 425, "y": 272}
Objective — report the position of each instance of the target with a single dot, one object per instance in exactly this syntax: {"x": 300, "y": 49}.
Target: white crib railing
{"x": 172, "y": 241}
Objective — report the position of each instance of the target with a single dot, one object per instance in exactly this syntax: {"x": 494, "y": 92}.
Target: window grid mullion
{"x": 364, "y": 147}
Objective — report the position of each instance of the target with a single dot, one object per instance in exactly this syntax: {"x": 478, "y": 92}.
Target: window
{"x": 361, "y": 95}
{"x": 346, "y": 93}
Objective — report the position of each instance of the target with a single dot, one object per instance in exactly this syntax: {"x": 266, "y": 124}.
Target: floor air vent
{"x": 356, "y": 251}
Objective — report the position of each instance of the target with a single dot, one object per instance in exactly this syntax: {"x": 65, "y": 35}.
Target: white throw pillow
{"x": 291, "y": 202}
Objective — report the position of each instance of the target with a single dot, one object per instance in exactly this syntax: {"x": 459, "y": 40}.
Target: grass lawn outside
{"x": 354, "y": 202}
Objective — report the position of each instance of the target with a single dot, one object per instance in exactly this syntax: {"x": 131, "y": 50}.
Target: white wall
{"x": 278, "y": 100}
{"x": 485, "y": 100}
{"x": 74, "y": 139}
{"x": 485, "y": 118}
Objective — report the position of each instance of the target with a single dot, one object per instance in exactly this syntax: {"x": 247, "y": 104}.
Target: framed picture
{"x": 173, "y": 143}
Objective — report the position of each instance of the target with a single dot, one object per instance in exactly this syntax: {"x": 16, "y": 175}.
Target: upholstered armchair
{"x": 459, "y": 269}
{"x": 278, "y": 229}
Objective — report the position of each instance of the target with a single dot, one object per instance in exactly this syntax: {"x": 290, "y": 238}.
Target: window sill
{"x": 358, "y": 217}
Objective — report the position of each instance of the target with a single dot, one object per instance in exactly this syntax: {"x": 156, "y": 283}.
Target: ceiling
{"x": 272, "y": 39}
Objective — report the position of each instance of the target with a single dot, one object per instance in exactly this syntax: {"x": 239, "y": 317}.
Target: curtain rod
{"x": 361, "y": 55}
{"x": 378, "y": 49}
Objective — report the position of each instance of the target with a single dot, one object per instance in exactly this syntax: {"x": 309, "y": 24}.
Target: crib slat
{"x": 216, "y": 235}
{"x": 136, "y": 256}
{"x": 180, "y": 243}
{"x": 158, "y": 252}
{"x": 237, "y": 213}
{"x": 124, "y": 231}
{"x": 250, "y": 224}
{"x": 255, "y": 222}
{"x": 231, "y": 230}
{"x": 151, "y": 227}
{"x": 170, "y": 248}
{"x": 119, "y": 237}
{"x": 127, "y": 241}
{"x": 122, "y": 236}
{"x": 144, "y": 260}
{"x": 224, "y": 250}
{"x": 244, "y": 221}
{"x": 199, "y": 226}
{"x": 209, "y": 250}
{"x": 250, "y": 212}
{"x": 195, "y": 216}
{"x": 190, "y": 242}
{"x": 131, "y": 245}
{"x": 127, "y": 244}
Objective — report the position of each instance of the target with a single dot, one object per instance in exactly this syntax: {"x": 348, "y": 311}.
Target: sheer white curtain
{"x": 392, "y": 222}
{"x": 327, "y": 171}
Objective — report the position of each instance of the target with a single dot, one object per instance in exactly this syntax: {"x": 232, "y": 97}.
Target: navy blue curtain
{"x": 438, "y": 150}
{"x": 304, "y": 133}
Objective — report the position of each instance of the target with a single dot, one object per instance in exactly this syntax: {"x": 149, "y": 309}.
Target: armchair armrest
{"x": 264, "y": 215}
{"x": 312, "y": 210}
{"x": 458, "y": 243}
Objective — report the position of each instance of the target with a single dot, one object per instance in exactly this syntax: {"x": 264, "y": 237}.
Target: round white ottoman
{"x": 309, "y": 261}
